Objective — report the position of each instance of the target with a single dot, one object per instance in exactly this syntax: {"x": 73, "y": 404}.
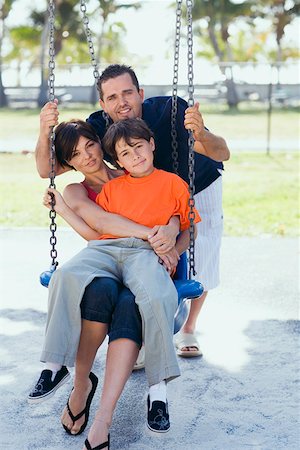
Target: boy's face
{"x": 136, "y": 158}
{"x": 121, "y": 99}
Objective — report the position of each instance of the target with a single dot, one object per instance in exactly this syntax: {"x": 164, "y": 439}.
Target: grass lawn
{"x": 260, "y": 193}
{"x": 244, "y": 123}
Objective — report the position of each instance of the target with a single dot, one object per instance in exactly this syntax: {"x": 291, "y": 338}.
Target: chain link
{"x": 191, "y": 159}
{"x": 89, "y": 40}
{"x": 52, "y": 157}
{"x": 174, "y": 141}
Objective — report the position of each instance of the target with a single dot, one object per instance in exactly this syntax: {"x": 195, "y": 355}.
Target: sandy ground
{"x": 243, "y": 393}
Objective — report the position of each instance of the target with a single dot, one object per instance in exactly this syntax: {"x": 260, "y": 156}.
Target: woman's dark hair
{"x": 67, "y": 135}
{"x": 114, "y": 71}
{"x": 127, "y": 129}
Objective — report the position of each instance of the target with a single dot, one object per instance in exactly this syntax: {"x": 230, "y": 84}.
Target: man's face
{"x": 121, "y": 99}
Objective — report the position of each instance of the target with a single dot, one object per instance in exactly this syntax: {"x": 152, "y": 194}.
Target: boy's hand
{"x": 193, "y": 121}
{"x": 163, "y": 238}
{"x": 170, "y": 260}
{"x": 48, "y": 117}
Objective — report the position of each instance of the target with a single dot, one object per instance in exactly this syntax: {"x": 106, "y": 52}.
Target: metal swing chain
{"x": 89, "y": 39}
{"x": 52, "y": 160}
{"x": 174, "y": 141}
{"x": 191, "y": 158}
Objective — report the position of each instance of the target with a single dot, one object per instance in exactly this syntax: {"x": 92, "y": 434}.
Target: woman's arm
{"x": 76, "y": 222}
{"x": 103, "y": 222}
{"x": 76, "y": 197}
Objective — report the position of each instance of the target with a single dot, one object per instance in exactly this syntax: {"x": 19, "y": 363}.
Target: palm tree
{"x": 5, "y": 9}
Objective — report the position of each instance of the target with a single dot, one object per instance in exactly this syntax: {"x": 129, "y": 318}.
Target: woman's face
{"x": 87, "y": 156}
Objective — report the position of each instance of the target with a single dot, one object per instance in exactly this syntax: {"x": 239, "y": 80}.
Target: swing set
{"x": 187, "y": 288}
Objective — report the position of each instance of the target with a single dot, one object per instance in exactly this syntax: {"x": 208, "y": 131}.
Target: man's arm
{"x": 206, "y": 143}
{"x": 48, "y": 119}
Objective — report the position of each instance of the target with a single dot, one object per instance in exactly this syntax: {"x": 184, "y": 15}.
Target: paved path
{"x": 240, "y": 395}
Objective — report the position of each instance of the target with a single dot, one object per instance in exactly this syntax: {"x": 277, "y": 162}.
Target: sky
{"x": 150, "y": 36}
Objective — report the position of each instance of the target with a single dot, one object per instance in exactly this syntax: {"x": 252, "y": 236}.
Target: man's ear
{"x": 102, "y": 104}
{"x": 142, "y": 94}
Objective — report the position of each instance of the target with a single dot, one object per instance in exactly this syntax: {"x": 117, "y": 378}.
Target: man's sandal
{"x": 187, "y": 340}
{"x": 86, "y": 410}
{"x": 100, "y": 446}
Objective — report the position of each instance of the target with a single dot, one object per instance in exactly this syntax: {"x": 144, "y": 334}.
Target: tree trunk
{"x": 231, "y": 92}
{"x": 3, "y": 96}
{"x": 43, "y": 92}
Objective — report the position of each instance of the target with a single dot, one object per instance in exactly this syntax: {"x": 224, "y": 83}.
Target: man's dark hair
{"x": 113, "y": 71}
{"x": 126, "y": 129}
{"x": 67, "y": 135}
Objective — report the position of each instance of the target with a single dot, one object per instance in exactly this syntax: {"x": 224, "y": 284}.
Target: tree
{"x": 5, "y": 8}
{"x": 213, "y": 18}
{"x": 281, "y": 13}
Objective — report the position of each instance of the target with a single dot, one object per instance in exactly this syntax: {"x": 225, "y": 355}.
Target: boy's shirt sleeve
{"x": 182, "y": 207}
{"x": 102, "y": 198}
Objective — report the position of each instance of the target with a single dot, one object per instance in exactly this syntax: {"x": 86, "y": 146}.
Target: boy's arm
{"x": 206, "y": 143}
{"x": 48, "y": 118}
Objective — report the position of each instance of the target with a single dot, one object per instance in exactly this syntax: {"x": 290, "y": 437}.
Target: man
{"x": 122, "y": 98}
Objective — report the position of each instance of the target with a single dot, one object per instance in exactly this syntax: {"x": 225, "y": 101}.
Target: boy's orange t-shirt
{"x": 149, "y": 201}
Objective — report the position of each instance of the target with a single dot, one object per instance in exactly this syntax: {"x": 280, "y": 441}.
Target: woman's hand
{"x": 163, "y": 237}
{"x": 170, "y": 260}
{"x": 59, "y": 204}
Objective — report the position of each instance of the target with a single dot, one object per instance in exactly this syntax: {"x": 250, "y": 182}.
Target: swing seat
{"x": 45, "y": 277}
{"x": 187, "y": 290}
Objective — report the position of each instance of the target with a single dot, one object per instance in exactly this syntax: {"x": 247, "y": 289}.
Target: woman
{"x": 84, "y": 216}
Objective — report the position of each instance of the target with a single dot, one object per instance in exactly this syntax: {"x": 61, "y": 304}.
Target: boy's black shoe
{"x": 45, "y": 387}
{"x": 158, "y": 416}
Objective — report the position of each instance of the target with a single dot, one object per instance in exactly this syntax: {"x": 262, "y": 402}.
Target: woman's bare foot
{"x": 99, "y": 432}
{"x": 77, "y": 402}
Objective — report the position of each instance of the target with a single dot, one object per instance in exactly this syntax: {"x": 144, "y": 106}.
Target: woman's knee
{"x": 99, "y": 300}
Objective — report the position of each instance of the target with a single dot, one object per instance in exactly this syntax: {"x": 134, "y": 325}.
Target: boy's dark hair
{"x": 67, "y": 135}
{"x": 114, "y": 71}
{"x": 127, "y": 129}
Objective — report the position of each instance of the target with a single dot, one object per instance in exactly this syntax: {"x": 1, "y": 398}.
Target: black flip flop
{"x": 86, "y": 409}
{"x": 99, "y": 447}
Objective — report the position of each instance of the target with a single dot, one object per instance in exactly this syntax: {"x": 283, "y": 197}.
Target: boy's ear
{"x": 152, "y": 144}
{"x": 119, "y": 164}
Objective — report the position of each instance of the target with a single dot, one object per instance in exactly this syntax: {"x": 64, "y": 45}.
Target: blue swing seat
{"x": 187, "y": 289}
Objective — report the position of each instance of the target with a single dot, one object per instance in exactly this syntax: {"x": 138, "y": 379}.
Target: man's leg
{"x": 207, "y": 258}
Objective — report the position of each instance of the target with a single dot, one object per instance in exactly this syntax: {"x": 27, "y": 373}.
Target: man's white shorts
{"x": 208, "y": 242}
